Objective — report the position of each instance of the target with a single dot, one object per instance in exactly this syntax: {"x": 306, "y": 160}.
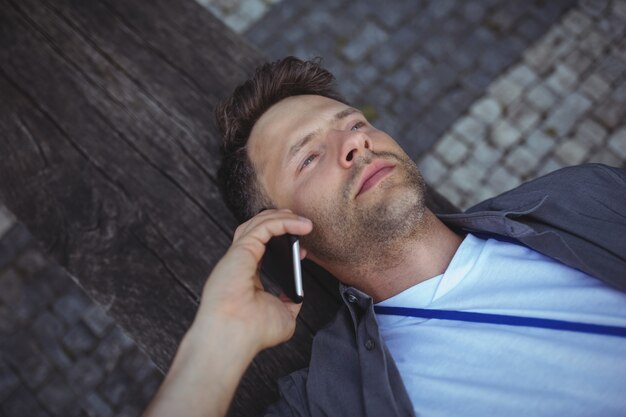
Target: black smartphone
{"x": 281, "y": 263}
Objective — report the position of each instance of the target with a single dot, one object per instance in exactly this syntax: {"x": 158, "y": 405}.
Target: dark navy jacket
{"x": 576, "y": 215}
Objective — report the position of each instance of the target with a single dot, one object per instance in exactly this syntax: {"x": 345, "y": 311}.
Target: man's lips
{"x": 373, "y": 174}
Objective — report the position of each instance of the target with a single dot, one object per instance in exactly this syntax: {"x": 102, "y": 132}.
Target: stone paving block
{"x": 97, "y": 320}
{"x": 477, "y": 80}
{"x": 612, "y": 26}
{"x": 486, "y": 109}
{"x": 34, "y": 369}
{"x": 609, "y": 113}
{"x": 33, "y": 298}
{"x": 55, "y": 278}
{"x": 594, "y": 87}
{"x": 611, "y": 68}
{"x": 576, "y": 22}
{"x": 570, "y": 152}
{"x": 71, "y": 306}
{"x": 47, "y": 327}
{"x": 18, "y": 237}
{"x": 438, "y": 47}
{"x": 504, "y": 135}
{"x": 111, "y": 348}
{"x": 8, "y": 380}
{"x": 520, "y": 160}
{"x": 451, "y": 192}
{"x": 523, "y": 117}
{"x": 22, "y": 403}
{"x": 578, "y": 62}
{"x": 79, "y": 340}
{"x": 11, "y": 287}
{"x": 530, "y": 28}
{"x": 96, "y": 406}
{"x": 8, "y": 322}
{"x": 137, "y": 365}
{"x": 549, "y": 49}
{"x": 432, "y": 169}
{"x": 485, "y": 155}
{"x": 550, "y": 11}
{"x": 462, "y": 60}
{"x": 618, "y": 8}
{"x": 562, "y": 80}
{"x": 593, "y": 8}
{"x": 385, "y": 59}
{"x": 454, "y": 103}
{"x": 504, "y": 91}
{"x": 470, "y": 129}
{"x": 590, "y": 133}
{"x": 619, "y": 93}
{"x": 437, "y": 118}
{"x": 466, "y": 177}
{"x": 400, "y": 79}
{"x": 593, "y": 43}
{"x": 523, "y": 76}
{"x": 496, "y": 58}
{"x": 539, "y": 144}
{"x": 500, "y": 179}
{"x": 607, "y": 157}
{"x": 422, "y": 139}
{"x": 58, "y": 396}
{"x": 419, "y": 64}
{"x": 617, "y": 143}
{"x": 57, "y": 355}
{"x": 85, "y": 374}
{"x": 549, "y": 166}
{"x": 481, "y": 193}
{"x": 371, "y": 36}
{"x": 116, "y": 387}
{"x": 564, "y": 116}
{"x": 472, "y": 11}
{"x": 451, "y": 149}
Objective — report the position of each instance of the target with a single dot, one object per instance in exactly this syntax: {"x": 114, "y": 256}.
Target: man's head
{"x": 309, "y": 151}
{"x": 236, "y": 116}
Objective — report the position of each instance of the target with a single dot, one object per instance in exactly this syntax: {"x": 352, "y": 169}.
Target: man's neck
{"x": 403, "y": 264}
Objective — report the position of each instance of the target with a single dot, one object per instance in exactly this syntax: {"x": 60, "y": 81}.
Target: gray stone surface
{"x": 568, "y": 107}
{"x": 57, "y": 348}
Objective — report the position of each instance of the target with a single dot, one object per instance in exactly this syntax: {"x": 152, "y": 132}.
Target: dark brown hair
{"x": 271, "y": 83}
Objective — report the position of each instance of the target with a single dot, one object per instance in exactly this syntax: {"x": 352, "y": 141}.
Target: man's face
{"x": 323, "y": 160}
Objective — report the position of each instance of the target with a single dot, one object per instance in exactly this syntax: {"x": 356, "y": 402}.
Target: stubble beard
{"x": 363, "y": 236}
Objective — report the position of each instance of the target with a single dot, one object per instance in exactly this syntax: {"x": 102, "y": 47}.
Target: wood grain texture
{"x": 109, "y": 156}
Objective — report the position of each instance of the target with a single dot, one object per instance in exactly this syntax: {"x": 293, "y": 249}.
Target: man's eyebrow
{"x": 295, "y": 148}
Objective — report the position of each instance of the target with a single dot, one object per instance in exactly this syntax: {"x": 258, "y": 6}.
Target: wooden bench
{"x": 109, "y": 156}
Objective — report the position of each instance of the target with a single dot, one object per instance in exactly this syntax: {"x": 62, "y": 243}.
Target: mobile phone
{"x": 281, "y": 263}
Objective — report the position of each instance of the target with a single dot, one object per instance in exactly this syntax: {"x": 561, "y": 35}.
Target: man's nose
{"x": 353, "y": 145}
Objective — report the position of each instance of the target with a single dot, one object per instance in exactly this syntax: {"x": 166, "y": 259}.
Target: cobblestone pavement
{"x": 60, "y": 355}
{"x": 483, "y": 94}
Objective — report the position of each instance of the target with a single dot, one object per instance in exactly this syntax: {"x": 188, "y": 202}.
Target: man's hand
{"x": 234, "y": 293}
{"x": 235, "y": 321}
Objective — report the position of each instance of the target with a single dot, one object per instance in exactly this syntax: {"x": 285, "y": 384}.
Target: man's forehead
{"x": 287, "y": 120}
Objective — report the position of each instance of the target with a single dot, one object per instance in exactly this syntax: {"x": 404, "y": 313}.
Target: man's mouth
{"x": 373, "y": 174}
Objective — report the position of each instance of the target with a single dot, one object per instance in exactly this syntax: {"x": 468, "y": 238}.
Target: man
{"x": 552, "y": 250}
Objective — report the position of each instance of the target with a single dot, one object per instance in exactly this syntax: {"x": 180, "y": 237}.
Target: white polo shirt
{"x": 455, "y": 368}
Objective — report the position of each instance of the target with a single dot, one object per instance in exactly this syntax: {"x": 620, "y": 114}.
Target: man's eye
{"x": 357, "y": 125}
{"x": 308, "y": 161}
